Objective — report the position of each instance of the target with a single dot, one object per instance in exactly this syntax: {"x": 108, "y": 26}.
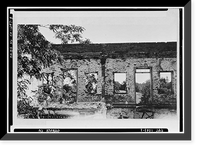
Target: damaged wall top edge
{"x": 116, "y": 50}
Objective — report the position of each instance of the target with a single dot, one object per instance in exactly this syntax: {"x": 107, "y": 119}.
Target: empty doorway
{"x": 142, "y": 85}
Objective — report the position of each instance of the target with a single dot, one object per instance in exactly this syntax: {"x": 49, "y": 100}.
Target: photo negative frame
{"x": 119, "y": 135}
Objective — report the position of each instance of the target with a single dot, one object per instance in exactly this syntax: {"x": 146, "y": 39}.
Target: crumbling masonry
{"x": 107, "y": 59}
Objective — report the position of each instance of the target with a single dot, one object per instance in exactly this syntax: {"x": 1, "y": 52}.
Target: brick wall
{"x": 105, "y": 59}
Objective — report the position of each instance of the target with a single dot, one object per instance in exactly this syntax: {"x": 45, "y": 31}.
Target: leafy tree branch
{"x": 35, "y": 53}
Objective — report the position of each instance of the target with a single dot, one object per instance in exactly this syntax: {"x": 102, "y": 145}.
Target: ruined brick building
{"x": 104, "y": 61}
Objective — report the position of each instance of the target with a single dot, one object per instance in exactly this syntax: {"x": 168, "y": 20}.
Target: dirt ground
{"x": 165, "y": 114}
{"x": 114, "y": 113}
{"x": 119, "y": 113}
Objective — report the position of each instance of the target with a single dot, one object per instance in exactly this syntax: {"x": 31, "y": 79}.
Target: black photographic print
{"x": 96, "y": 73}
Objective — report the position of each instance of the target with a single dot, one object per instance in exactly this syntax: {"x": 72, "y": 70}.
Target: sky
{"x": 142, "y": 77}
{"x": 115, "y": 27}
{"x": 166, "y": 75}
{"x": 110, "y": 26}
{"x": 120, "y": 77}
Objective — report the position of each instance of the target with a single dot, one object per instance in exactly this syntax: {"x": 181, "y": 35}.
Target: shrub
{"x": 23, "y": 107}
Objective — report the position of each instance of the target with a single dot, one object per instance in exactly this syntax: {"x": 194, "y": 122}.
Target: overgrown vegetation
{"x": 164, "y": 96}
{"x": 120, "y": 87}
{"x": 91, "y": 83}
{"x": 165, "y": 93}
{"x": 144, "y": 89}
{"x": 36, "y": 58}
{"x": 24, "y": 108}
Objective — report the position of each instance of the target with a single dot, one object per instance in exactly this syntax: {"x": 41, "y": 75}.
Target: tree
{"x": 137, "y": 87}
{"x": 165, "y": 87}
{"x": 69, "y": 33}
{"x": 117, "y": 86}
{"x": 36, "y": 53}
{"x": 145, "y": 90}
{"x": 123, "y": 85}
{"x": 91, "y": 86}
